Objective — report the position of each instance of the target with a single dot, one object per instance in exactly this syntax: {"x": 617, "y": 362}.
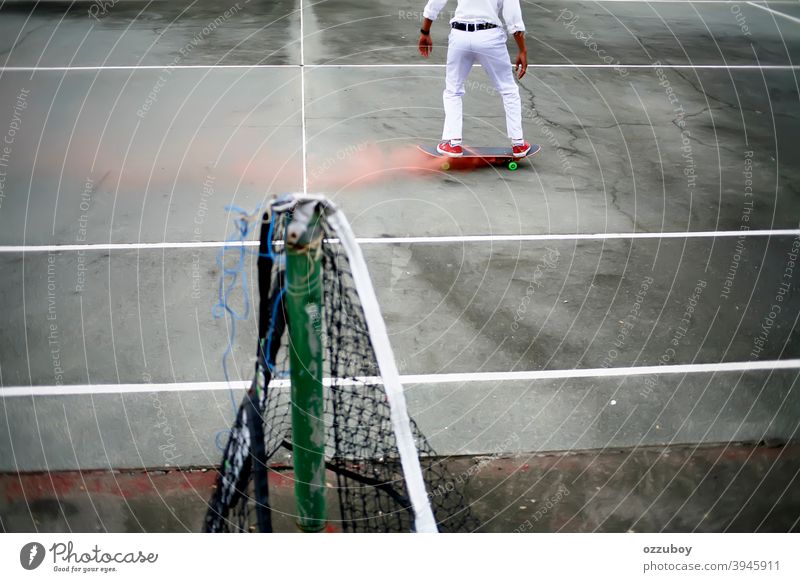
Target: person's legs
{"x": 492, "y": 53}
{"x": 459, "y": 63}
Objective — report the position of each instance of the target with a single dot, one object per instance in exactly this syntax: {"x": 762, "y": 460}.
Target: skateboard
{"x": 487, "y": 155}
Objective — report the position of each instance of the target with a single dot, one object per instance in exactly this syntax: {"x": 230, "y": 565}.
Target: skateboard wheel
{"x": 512, "y": 166}
{"x": 445, "y": 166}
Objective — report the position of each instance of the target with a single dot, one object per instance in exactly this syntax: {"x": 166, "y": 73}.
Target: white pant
{"x": 488, "y": 47}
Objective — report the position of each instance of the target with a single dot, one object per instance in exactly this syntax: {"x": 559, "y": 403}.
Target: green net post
{"x": 304, "y": 310}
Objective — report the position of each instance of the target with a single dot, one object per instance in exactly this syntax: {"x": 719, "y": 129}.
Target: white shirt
{"x": 481, "y": 11}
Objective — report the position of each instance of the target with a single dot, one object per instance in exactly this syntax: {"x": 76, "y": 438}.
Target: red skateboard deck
{"x": 487, "y": 155}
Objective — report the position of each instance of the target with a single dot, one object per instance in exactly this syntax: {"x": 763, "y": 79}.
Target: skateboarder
{"x": 477, "y": 34}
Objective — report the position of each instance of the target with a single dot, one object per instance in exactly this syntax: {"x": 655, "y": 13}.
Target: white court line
{"x": 768, "y": 9}
{"x": 84, "y": 389}
{"x": 13, "y": 69}
{"x": 477, "y": 238}
{"x": 589, "y": 236}
{"x": 142, "y": 67}
{"x": 303, "y": 98}
{"x": 572, "y": 65}
{"x": 678, "y": 1}
{"x": 674, "y": 1}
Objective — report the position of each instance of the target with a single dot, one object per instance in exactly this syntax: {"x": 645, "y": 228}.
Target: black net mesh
{"x": 362, "y": 458}
{"x": 240, "y": 500}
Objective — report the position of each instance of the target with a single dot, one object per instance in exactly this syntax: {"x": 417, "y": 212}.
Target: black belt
{"x": 472, "y": 27}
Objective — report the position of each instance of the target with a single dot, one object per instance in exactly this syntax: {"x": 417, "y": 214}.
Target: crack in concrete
{"x": 573, "y": 136}
{"x": 703, "y": 92}
{"x": 614, "y": 192}
{"x": 22, "y": 39}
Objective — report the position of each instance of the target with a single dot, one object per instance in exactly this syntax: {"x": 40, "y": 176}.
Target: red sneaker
{"x": 520, "y": 151}
{"x": 448, "y": 149}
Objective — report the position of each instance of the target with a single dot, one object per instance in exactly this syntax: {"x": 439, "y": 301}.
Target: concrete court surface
{"x": 674, "y": 489}
{"x": 138, "y": 125}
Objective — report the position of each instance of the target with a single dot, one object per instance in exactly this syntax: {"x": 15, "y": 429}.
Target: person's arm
{"x": 425, "y": 44}
{"x": 521, "y": 64}
{"x": 432, "y": 10}
{"x": 512, "y": 16}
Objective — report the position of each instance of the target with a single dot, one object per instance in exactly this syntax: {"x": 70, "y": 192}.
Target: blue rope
{"x": 219, "y": 443}
{"x": 231, "y": 279}
{"x": 275, "y": 307}
{"x": 270, "y": 252}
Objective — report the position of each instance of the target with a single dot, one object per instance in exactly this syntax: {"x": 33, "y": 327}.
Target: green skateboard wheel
{"x": 512, "y": 166}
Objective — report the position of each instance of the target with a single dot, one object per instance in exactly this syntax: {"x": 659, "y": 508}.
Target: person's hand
{"x": 522, "y": 64}
{"x": 425, "y": 45}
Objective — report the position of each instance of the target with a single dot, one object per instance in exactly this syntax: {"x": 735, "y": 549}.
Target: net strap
{"x": 409, "y": 459}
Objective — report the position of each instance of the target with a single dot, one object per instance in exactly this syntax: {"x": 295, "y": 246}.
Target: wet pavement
{"x": 730, "y": 488}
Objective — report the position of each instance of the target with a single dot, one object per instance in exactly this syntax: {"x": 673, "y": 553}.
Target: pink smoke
{"x": 367, "y": 164}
